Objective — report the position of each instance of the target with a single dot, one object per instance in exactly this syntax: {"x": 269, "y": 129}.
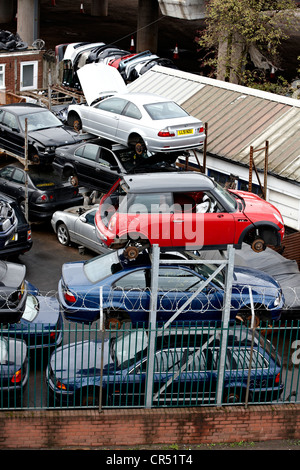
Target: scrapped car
{"x": 13, "y": 291}
{"x": 126, "y": 291}
{"x": 8, "y": 223}
{"x": 184, "y": 209}
{"x": 13, "y": 369}
{"x": 186, "y": 367}
{"x": 97, "y": 165}
{"x": 21, "y": 240}
{"x": 76, "y": 225}
{"x": 47, "y": 192}
{"x": 140, "y": 120}
{"x": 44, "y": 130}
{"x": 41, "y": 323}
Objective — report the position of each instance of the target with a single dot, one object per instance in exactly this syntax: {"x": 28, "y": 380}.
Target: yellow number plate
{"x": 185, "y": 131}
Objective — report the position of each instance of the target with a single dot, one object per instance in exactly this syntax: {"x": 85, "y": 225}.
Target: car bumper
{"x": 16, "y": 249}
{"x": 173, "y": 145}
{"x": 45, "y": 211}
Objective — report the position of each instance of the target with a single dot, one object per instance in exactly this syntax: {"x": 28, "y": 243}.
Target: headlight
{"x": 277, "y": 301}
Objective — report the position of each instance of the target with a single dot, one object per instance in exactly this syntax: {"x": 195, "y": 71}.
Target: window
{"x": 132, "y": 111}
{"x": 10, "y": 121}
{"x": 112, "y": 105}
{"x": 90, "y": 152}
{"x": 178, "y": 279}
{"x": 165, "y": 110}
{"x": 2, "y": 76}
{"x": 150, "y": 203}
{"x": 18, "y": 176}
{"x": 28, "y": 75}
{"x": 134, "y": 280}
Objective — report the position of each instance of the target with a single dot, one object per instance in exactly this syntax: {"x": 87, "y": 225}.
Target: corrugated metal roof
{"x": 238, "y": 117}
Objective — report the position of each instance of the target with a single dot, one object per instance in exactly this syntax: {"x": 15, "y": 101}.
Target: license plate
{"x": 185, "y": 131}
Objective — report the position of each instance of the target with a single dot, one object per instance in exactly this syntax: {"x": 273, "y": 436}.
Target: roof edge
{"x": 225, "y": 85}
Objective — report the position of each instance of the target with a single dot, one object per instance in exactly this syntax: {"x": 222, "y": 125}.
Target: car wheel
{"x": 63, "y": 235}
{"x": 89, "y": 397}
{"x": 75, "y": 122}
{"x": 116, "y": 320}
{"x": 138, "y": 143}
{"x": 131, "y": 252}
{"x": 258, "y": 245}
{"x": 74, "y": 180}
{"x": 233, "y": 396}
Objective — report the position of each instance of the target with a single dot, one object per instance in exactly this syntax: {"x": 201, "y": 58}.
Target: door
{"x": 12, "y": 138}
{"x": 12, "y": 182}
{"x": 85, "y": 230}
{"x": 103, "y": 118}
{"x": 200, "y": 221}
{"x": 85, "y": 158}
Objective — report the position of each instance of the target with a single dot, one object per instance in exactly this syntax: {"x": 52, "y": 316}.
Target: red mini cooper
{"x": 184, "y": 210}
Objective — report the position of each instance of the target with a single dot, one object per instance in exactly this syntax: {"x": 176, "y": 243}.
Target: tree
{"x": 239, "y": 29}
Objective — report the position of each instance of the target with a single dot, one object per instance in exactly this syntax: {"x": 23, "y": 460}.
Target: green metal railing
{"x": 110, "y": 368}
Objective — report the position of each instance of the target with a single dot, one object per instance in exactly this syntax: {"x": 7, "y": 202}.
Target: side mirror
{"x": 82, "y": 218}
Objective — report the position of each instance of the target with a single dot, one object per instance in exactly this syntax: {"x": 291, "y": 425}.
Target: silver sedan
{"x": 143, "y": 120}
{"x": 76, "y": 225}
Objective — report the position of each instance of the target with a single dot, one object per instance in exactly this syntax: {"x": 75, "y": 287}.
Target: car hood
{"x": 80, "y": 359}
{"x": 244, "y": 277}
{"x": 98, "y": 79}
{"x": 55, "y": 136}
{"x": 254, "y": 207}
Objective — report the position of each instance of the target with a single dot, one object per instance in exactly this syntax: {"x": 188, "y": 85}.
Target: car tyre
{"x": 90, "y": 397}
{"x": 63, "y": 235}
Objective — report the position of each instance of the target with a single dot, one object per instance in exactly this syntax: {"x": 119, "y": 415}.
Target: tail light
{"x": 17, "y": 377}
{"x": 52, "y": 336}
{"x": 69, "y": 297}
{"x": 277, "y": 378}
{"x": 60, "y": 385}
{"x": 45, "y": 198}
{"x": 28, "y": 235}
{"x": 166, "y": 133}
{"x": 200, "y": 130}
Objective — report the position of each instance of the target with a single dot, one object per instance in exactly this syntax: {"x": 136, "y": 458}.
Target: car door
{"x": 201, "y": 223}
{"x": 176, "y": 286}
{"x": 12, "y": 138}
{"x": 85, "y": 230}
{"x": 85, "y": 158}
{"x": 107, "y": 170}
{"x": 12, "y": 182}
{"x": 131, "y": 119}
{"x": 103, "y": 118}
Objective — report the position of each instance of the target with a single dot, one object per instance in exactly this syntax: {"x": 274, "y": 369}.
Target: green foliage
{"x": 242, "y": 24}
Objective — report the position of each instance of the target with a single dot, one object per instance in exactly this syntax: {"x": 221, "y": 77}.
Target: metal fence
{"x": 189, "y": 366}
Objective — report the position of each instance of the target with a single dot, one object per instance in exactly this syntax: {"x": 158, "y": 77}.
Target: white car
{"x": 143, "y": 120}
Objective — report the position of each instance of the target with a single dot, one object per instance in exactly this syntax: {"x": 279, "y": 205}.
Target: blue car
{"x": 186, "y": 369}
{"x": 126, "y": 291}
{"x": 41, "y": 323}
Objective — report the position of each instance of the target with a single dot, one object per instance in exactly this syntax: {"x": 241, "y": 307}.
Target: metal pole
{"x": 26, "y": 169}
{"x": 102, "y": 329}
{"x": 252, "y": 344}
{"x": 225, "y": 320}
{"x": 152, "y": 324}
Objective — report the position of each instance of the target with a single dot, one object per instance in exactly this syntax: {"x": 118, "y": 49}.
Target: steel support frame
{"x": 227, "y": 263}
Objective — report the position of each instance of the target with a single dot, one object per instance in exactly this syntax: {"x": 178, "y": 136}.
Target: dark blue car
{"x": 41, "y": 323}
{"x": 126, "y": 291}
{"x": 186, "y": 368}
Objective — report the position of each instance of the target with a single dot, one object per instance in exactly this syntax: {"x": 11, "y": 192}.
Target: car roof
{"x": 142, "y": 98}
{"x": 23, "y": 108}
{"x": 168, "y": 181}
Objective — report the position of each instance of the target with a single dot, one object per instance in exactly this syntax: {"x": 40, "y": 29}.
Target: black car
{"x": 44, "y": 130}
{"x": 13, "y": 292}
{"x": 8, "y": 223}
{"x": 98, "y": 164}
{"x": 47, "y": 192}
{"x": 21, "y": 240}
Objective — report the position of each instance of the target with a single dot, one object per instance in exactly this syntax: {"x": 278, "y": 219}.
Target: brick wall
{"x": 82, "y": 429}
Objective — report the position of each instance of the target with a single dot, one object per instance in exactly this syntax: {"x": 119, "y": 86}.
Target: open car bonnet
{"x": 98, "y": 79}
